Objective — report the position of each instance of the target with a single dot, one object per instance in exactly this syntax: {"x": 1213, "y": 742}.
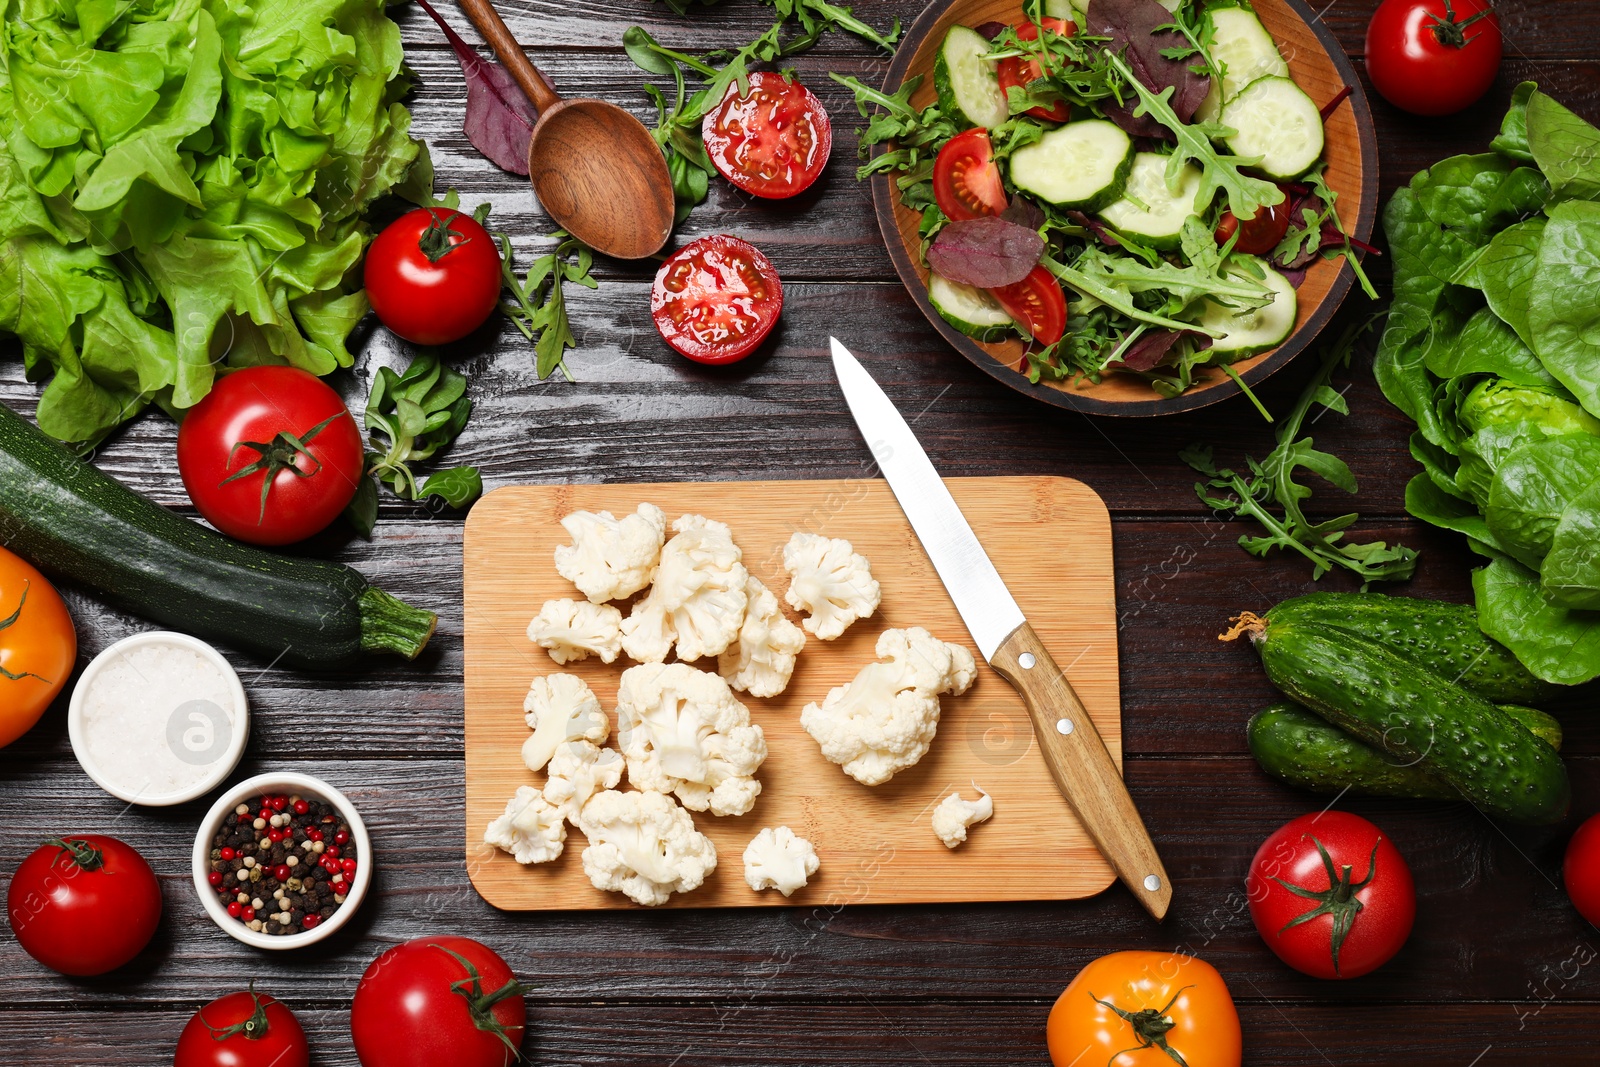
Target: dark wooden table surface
{"x": 1498, "y": 970}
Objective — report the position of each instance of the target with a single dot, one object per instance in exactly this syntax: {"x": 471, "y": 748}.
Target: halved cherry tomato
{"x": 1038, "y": 303}
{"x": 715, "y": 300}
{"x": 1258, "y": 235}
{"x": 38, "y": 646}
{"x": 1014, "y": 70}
{"x": 1145, "y": 1009}
{"x": 772, "y": 142}
{"x": 966, "y": 182}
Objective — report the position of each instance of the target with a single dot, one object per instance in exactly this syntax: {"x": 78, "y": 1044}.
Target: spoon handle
{"x": 493, "y": 29}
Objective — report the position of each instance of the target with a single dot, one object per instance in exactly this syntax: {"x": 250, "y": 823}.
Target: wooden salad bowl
{"x": 1317, "y": 63}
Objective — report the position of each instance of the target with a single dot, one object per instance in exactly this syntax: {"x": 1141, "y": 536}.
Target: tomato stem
{"x": 439, "y": 240}
{"x": 480, "y": 1005}
{"x": 1448, "y": 32}
{"x": 10, "y": 621}
{"x": 253, "y": 1028}
{"x": 1150, "y": 1026}
{"x": 1338, "y": 900}
{"x": 282, "y": 453}
{"x": 85, "y": 855}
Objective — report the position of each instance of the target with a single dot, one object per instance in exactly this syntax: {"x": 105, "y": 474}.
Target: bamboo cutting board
{"x": 1050, "y": 539}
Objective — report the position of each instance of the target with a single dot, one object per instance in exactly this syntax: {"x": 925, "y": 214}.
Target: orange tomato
{"x": 37, "y": 646}
{"x": 1145, "y": 1009}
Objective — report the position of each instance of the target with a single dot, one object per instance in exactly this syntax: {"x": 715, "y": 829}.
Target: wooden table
{"x": 1498, "y": 970}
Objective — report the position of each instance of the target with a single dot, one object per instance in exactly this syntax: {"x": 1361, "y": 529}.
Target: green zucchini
{"x": 1399, "y": 708}
{"x": 1441, "y": 637}
{"x": 1294, "y": 745}
{"x": 68, "y": 518}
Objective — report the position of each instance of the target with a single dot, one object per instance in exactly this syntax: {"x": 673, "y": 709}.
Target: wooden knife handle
{"x": 1083, "y": 768}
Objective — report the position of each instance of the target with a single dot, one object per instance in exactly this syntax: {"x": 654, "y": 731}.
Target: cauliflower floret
{"x": 560, "y": 708}
{"x": 884, "y": 720}
{"x": 763, "y": 660}
{"x": 954, "y": 815}
{"x": 575, "y": 629}
{"x": 578, "y": 771}
{"x": 643, "y": 845}
{"x": 532, "y": 829}
{"x": 697, "y": 599}
{"x": 777, "y": 859}
{"x": 682, "y": 731}
{"x": 829, "y": 581}
{"x": 611, "y": 558}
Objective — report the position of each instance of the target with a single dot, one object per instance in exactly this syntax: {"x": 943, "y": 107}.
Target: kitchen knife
{"x": 1077, "y": 757}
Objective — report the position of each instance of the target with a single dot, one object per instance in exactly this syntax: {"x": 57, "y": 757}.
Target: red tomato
{"x": 1014, "y": 70}
{"x": 1433, "y": 57}
{"x": 1331, "y": 895}
{"x": 84, "y": 905}
{"x": 1260, "y": 234}
{"x": 433, "y": 275}
{"x": 772, "y": 142}
{"x": 966, "y": 182}
{"x": 238, "y": 437}
{"x": 245, "y": 1029}
{"x": 1038, "y": 303}
{"x": 716, "y": 299}
{"x": 1581, "y": 870}
{"x": 438, "y": 1000}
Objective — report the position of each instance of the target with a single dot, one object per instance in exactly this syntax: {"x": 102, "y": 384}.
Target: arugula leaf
{"x": 815, "y": 17}
{"x": 540, "y": 307}
{"x": 1273, "y": 481}
{"x": 1218, "y": 171}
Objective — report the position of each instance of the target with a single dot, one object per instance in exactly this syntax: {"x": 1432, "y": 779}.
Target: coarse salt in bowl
{"x": 247, "y": 792}
{"x": 158, "y": 718}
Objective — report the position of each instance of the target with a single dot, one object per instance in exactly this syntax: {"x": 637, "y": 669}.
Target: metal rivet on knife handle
{"x": 1063, "y": 726}
{"x": 1152, "y": 882}
{"x": 1026, "y": 661}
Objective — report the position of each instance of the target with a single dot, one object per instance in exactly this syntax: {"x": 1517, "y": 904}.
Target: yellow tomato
{"x": 1145, "y": 1009}
{"x": 37, "y": 646}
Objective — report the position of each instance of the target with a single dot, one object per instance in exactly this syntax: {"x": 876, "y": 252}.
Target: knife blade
{"x": 1075, "y": 753}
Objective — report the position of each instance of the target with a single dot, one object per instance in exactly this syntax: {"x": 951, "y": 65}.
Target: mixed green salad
{"x": 1493, "y": 348}
{"x": 1136, "y": 187}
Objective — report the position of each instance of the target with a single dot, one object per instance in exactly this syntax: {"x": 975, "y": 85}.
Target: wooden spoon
{"x": 598, "y": 172}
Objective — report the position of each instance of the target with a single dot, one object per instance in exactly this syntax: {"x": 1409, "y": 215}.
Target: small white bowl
{"x": 216, "y": 772}
{"x": 248, "y": 791}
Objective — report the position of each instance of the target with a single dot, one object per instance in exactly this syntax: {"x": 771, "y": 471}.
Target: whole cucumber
{"x": 1399, "y": 708}
{"x": 1440, "y": 636}
{"x": 1296, "y": 746}
{"x": 69, "y": 518}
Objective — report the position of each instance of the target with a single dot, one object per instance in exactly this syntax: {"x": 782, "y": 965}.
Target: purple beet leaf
{"x": 1150, "y": 349}
{"x": 500, "y": 117}
{"x": 1101, "y": 232}
{"x": 987, "y": 252}
{"x": 1131, "y": 25}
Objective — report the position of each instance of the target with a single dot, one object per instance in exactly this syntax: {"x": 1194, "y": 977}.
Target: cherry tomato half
{"x": 1258, "y": 235}
{"x": 771, "y": 142}
{"x": 1145, "y": 1009}
{"x": 716, "y": 299}
{"x": 1433, "y": 57}
{"x": 1038, "y": 303}
{"x": 1016, "y": 71}
{"x": 238, "y": 437}
{"x": 38, "y": 646}
{"x": 433, "y": 275}
{"x": 1356, "y": 899}
{"x": 243, "y": 1029}
{"x": 966, "y": 182}
{"x": 84, "y": 905}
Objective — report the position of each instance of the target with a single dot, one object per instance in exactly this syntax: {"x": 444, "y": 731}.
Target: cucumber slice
{"x": 1273, "y": 118}
{"x": 1157, "y": 218}
{"x": 1079, "y": 165}
{"x": 1065, "y": 9}
{"x": 1244, "y": 333}
{"x": 972, "y": 311}
{"x": 1244, "y": 50}
{"x": 969, "y": 90}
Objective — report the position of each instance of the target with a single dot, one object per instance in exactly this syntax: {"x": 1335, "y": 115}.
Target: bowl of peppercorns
{"x": 282, "y": 861}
